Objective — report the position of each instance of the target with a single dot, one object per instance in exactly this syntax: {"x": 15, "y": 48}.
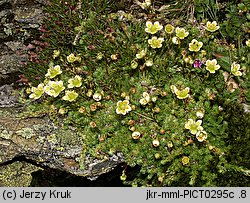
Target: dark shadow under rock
{"x": 56, "y": 178}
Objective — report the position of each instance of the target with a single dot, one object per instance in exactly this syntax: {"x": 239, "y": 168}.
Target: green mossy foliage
{"x": 107, "y": 44}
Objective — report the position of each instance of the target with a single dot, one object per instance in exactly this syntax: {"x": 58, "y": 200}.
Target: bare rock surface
{"x": 7, "y": 97}
{"x": 18, "y": 21}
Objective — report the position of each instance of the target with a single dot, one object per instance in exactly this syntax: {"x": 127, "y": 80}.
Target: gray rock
{"x": 28, "y": 15}
{"x": 4, "y": 14}
{"x": 11, "y": 63}
{"x": 7, "y": 97}
{"x": 37, "y": 139}
{"x": 14, "y": 45}
{"x": 5, "y": 3}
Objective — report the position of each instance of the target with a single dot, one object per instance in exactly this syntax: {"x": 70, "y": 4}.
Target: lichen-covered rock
{"x": 17, "y": 174}
{"x": 39, "y": 140}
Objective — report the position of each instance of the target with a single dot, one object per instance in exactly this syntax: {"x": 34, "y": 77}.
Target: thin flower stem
{"x": 144, "y": 116}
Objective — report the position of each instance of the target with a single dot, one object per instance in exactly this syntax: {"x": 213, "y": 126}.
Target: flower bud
{"x": 92, "y": 124}
{"x": 136, "y": 135}
{"x": 156, "y": 143}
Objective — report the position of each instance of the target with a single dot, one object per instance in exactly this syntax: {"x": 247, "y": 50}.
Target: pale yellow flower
{"x": 146, "y": 4}
{"x": 156, "y": 42}
{"x": 89, "y": 93}
{"x": 114, "y": 57}
{"x": 194, "y": 45}
{"x": 141, "y": 54}
{"x": 145, "y": 99}
{"x": 212, "y": 66}
{"x": 188, "y": 59}
{"x": 56, "y": 53}
{"x": 175, "y": 40}
{"x": 70, "y": 96}
{"x": 153, "y": 28}
{"x": 149, "y": 62}
{"x": 146, "y": 96}
{"x": 248, "y": 42}
{"x": 62, "y": 111}
{"x": 201, "y": 136}
{"x": 99, "y": 56}
{"x": 54, "y": 88}
{"x": 123, "y": 107}
{"x": 97, "y": 96}
{"x": 134, "y": 64}
{"x": 37, "y": 92}
{"x": 194, "y": 126}
{"x": 28, "y": 90}
{"x": 200, "y": 114}
{"x": 75, "y": 82}
{"x": 181, "y": 94}
{"x": 71, "y": 58}
{"x": 82, "y": 109}
{"x": 170, "y": 144}
{"x": 212, "y": 27}
{"x": 53, "y": 71}
{"x": 181, "y": 33}
{"x": 78, "y": 59}
{"x": 173, "y": 89}
{"x": 123, "y": 94}
{"x": 154, "y": 98}
{"x": 235, "y": 69}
